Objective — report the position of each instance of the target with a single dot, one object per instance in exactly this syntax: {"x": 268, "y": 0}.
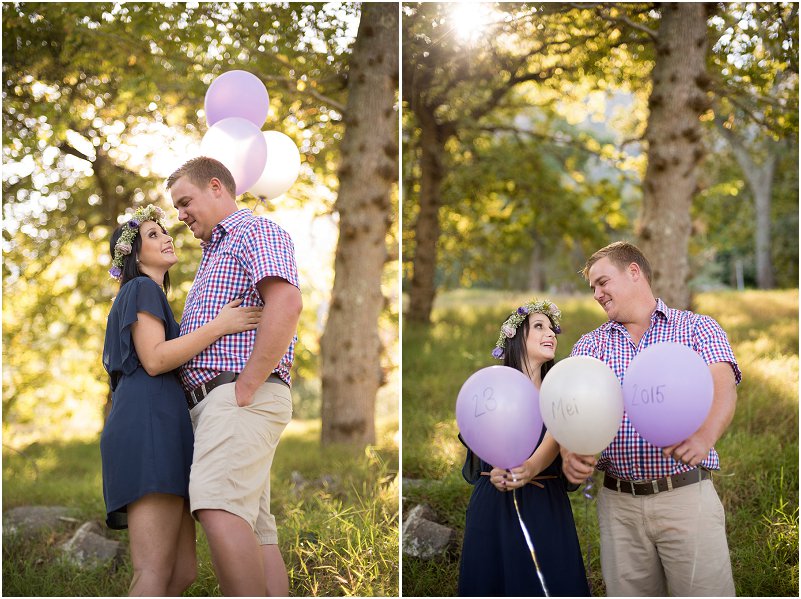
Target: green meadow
{"x": 758, "y": 481}
{"x": 338, "y": 533}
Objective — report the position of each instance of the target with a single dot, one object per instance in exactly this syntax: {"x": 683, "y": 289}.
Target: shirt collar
{"x": 225, "y": 226}
{"x": 661, "y": 311}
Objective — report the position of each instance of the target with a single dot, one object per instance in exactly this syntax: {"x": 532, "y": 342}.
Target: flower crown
{"x": 509, "y": 328}
{"x": 124, "y": 244}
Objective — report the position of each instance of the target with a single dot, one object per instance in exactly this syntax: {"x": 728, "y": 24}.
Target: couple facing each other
{"x": 662, "y": 525}
{"x": 210, "y": 397}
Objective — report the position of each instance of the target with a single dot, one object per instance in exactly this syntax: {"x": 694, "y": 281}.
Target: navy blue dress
{"x": 495, "y": 557}
{"x": 146, "y": 444}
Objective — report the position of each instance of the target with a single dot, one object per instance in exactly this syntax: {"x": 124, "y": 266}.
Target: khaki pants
{"x": 671, "y": 542}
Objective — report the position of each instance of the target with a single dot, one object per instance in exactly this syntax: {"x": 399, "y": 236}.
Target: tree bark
{"x": 350, "y": 346}
{"x": 427, "y": 226}
{"x": 678, "y": 99}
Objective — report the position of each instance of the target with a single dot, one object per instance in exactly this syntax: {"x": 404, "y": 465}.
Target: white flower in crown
{"x": 124, "y": 245}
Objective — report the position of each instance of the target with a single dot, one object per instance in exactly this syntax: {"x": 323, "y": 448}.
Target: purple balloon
{"x": 498, "y": 414}
{"x": 240, "y": 146}
{"x": 237, "y": 94}
{"x": 667, "y": 393}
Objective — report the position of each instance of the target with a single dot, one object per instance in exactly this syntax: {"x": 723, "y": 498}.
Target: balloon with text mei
{"x": 281, "y": 170}
{"x": 667, "y": 391}
{"x": 240, "y": 146}
{"x": 498, "y": 415}
{"x": 237, "y": 94}
{"x": 582, "y": 404}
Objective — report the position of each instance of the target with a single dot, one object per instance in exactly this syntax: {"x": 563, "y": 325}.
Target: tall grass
{"x": 758, "y": 483}
{"x": 337, "y": 532}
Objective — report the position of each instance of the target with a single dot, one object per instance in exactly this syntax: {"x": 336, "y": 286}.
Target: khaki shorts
{"x": 234, "y": 449}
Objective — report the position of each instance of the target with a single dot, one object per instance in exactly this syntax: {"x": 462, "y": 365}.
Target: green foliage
{"x": 338, "y": 534}
{"x": 525, "y": 187}
{"x": 758, "y": 484}
{"x": 543, "y": 208}
{"x": 754, "y": 66}
{"x": 533, "y": 177}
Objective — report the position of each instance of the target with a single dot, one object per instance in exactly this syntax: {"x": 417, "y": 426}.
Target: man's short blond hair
{"x": 203, "y": 169}
{"x": 621, "y": 254}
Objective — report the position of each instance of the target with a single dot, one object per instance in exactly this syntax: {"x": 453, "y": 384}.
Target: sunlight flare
{"x": 469, "y": 20}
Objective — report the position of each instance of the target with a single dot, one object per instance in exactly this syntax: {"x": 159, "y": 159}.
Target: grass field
{"x": 338, "y": 537}
{"x": 758, "y": 482}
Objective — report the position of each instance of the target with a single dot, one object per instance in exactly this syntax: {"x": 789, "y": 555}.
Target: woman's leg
{"x": 185, "y": 567}
{"x": 154, "y": 522}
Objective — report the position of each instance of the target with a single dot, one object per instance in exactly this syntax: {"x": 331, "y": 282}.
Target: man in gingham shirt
{"x": 664, "y": 533}
{"x": 238, "y": 388}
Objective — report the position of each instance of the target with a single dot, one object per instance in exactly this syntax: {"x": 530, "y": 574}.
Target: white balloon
{"x": 239, "y": 145}
{"x": 581, "y": 402}
{"x": 281, "y": 169}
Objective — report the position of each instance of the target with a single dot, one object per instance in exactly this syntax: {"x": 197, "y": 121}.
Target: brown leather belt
{"x": 651, "y": 487}
{"x": 198, "y": 394}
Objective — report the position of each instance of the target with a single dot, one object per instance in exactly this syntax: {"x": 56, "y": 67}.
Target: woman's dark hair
{"x": 130, "y": 267}
{"x": 515, "y": 354}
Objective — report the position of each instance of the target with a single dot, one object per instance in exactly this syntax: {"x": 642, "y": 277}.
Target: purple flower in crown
{"x": 497, "y": 353}
{"x": 508, "y": 330}
{"x": 522, "y": 310}
{"x": 133, "y": 223}
{"x": 557, "y": 329}
{"x": 115, "y": 272}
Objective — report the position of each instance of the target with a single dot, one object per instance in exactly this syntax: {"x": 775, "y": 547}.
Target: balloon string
{"x": 697, "y": 528}
{"x": 588, "y": 496}
{"x": 529, "y": 543}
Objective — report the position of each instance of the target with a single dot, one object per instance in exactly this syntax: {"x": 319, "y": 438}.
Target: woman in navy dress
{"x": 146, "y": 444}
{"x": 495, "y": 557}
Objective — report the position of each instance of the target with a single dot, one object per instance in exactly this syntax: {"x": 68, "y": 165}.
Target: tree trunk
{"x": 536, "y": 271}
{"x": 350, "y": 346}
{"x": 427, "y": 226}
{"x": 678, "y": 98}
{"x": 760, "y": 181}
{"x": 762, "y": 196}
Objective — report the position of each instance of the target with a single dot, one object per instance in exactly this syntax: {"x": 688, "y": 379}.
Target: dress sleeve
{"x": 146, "y": 296}
{"x": 471, "y": 470}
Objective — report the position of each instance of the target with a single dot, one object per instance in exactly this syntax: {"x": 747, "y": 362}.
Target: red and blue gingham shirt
{"x": 629, "y": 456}
{"x": 243, "y": 250}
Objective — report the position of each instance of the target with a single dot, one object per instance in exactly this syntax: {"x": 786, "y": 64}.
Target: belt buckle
{"x": 205, "y": 393}
{"x": 655, "y": 485}
{"x": 669, "y": 483}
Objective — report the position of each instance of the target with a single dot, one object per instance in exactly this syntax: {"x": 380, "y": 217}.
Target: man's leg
{"x": 184, "y": 571}
{"x": 629, "y": 559}
{"x": 235, "y": 553}
{"x": 274, "y": 571}
{"x": 691, "y": 541}
{"x": 277, "y": 410}
{"x": 234, "y": 448}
